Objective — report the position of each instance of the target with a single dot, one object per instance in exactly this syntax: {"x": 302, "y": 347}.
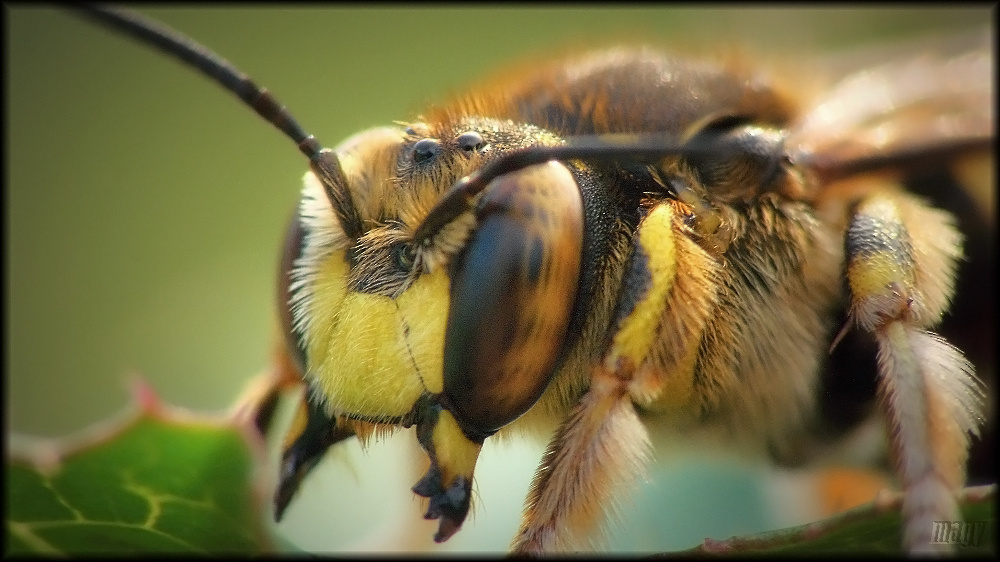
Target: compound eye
{"x": 512, "y": 291}
{"x": 470, "y": 141}
{"x": 425, "y": 149}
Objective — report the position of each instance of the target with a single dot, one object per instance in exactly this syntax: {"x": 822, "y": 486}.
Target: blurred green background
{"x": 145, "y": 206}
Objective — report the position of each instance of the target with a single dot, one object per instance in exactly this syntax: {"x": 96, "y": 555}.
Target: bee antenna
{"x": 646, "y": 148}
{"x": 323, "y": 161}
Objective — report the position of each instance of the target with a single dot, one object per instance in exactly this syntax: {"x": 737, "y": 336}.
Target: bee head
{"x": 375, "y": 318}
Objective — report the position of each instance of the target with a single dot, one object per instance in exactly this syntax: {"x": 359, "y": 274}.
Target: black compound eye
{"x": 470, "y": 141}
{"x": 425, "y": 149}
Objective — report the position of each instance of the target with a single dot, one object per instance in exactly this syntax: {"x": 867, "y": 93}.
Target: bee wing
{"x": 930, "y": 106}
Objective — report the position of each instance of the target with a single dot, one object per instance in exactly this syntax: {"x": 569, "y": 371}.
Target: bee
{"x": 622, "y": 240}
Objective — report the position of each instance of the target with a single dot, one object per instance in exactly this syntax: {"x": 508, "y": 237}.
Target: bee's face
{"x": 362, "y": 291}
{"x": 376, "y": 288}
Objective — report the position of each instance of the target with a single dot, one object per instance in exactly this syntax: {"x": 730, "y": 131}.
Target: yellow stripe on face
{"x": 638, "y": 330}
{"x": 367, "y": 353}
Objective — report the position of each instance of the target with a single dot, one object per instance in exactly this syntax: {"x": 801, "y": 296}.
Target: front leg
{"x": 668, "y": 293}
{"x": 601, "y": 443}
{"x": 901, "y": 259}
{"x": 311, "y": 434}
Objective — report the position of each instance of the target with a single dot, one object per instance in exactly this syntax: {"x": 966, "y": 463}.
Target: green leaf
{"x": 158, "y": 481}
{"x": 874, "y": 528}
{"x": 162, "y": 480}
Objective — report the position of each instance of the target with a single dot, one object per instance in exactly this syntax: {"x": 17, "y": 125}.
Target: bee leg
{"x": 311, "y": 434}
{"x": 448, "y": 481}
{"x": 901, "y": 258}
{"x": 667, "y": 296}
{"x": 258, "y": 401}
{"x": 601, "y": 441}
